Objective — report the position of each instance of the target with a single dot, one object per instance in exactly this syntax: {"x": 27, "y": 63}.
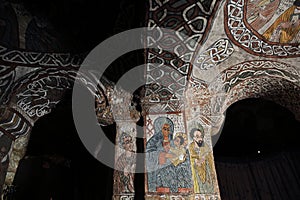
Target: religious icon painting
{"x": 201, "y": 158}
{"x": 167, "y": 159}
{"x": 125, "y": 159}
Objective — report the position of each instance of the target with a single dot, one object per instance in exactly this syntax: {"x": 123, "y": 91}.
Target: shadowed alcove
{"x": 57, "y": 164}
{"x": 257, "y": 154}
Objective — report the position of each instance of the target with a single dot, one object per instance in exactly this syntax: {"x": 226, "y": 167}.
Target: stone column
{"x": 125, "y": 117}
{"x": 14, "y": 133}
{"x": 179, "y": 155}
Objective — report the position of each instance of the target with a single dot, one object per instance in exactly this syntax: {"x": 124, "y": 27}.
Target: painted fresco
{"x": 124, "y": 179}
{"x": 259, "y": 12}
{"x": 231, "y": 51}
{"x": 125, "y": 159}
{"x": 264, "y": 28}
{"x": 201, "y": 161}
{"x": 167, "y": 157}
{"x": 277, "y": 21}
{"x": 177, "y": 162}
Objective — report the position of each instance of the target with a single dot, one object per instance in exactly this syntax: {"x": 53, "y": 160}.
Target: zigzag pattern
{"x": 253, "y": 69}
{"x": 37, "y": 59}
{"x": 13, "y": 124}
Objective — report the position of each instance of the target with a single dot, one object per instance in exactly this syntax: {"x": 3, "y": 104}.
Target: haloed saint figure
{"x": 125, "y": 166}
{"x": 167, "y": 160}
{"x": 285, "y": 28}
{"x": 201, "y": 163}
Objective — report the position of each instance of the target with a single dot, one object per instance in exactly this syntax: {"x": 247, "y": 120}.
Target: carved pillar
{"x": 15, "y": 129}
{"x": 125, "y": 117}
{"x": 30, "y": 97}
{"x": 179, "y": 157}
{"x": 18, "y": 150}
{"x": 5, "y": 147}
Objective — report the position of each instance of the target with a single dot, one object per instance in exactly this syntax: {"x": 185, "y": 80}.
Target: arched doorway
{"x": 257, "y": 155}
{"x": 57, "y": 164}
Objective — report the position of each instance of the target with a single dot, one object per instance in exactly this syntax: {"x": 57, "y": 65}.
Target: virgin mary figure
{"x": 163, "y": 176}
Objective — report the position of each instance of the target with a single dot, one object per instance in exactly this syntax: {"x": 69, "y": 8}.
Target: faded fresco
{"x": 201, "y": 162}
{"x": 125, "y": 159}
{"x": 277, "y": 21}
{"x": 124, "y": 180}
{"x": 239, "y": 44}
{"x": 167, "y": 158}
{"x": 221, "y": 52}
{"x": 177, "y": 162}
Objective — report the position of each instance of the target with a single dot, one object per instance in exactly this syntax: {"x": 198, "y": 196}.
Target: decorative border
{"x": 13, "y": 124}
{"x": 182, "y": 197}
{"x": 11, "y": 57}
{"x": 230, "y": 77}
{"x": 180, "y": 17}
{"x": 240, "y": 33}
{"x": 258, "y": 78}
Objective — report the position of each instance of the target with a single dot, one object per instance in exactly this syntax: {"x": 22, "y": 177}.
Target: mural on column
{"x": 178, "y": 162}
{"x": 223, "y": 51}
{"x": 125, "y": 159}
{"x": 201, "y": 161}
{"x": 167, "y": 157}
{"x": 178, "y": 165}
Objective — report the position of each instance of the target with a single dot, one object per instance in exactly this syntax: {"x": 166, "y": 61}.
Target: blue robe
{"x": 165, "y": 175}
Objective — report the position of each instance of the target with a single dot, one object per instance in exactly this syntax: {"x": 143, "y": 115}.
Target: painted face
{"x": 127, "y": 145}
{"x": 177, "y": 142}
{"x": 167, "y": 146}
{"x": 198, "y": 138}
{"x": 166, "y": 129}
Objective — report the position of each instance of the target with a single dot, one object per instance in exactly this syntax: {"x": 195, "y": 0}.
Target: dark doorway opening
{"x": 57, "y": 165}
{"x": 257, "y": 155}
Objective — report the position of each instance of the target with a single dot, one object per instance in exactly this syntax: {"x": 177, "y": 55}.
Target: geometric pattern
{"x": 182, "y": 197}
{"x": 40, "y": 92}
{"x": 125, "y": 197}
{"x": 47, "y": 75}
{"x": 40, "y": 89}
{"x": 279, "y": 90}
{"x": 165, "y": 85}
{"x": 215, "y": 54}
{"x": 273, "y": 80}
{"x": 276, "y": 81}
{"x": 37, "y": 59}
{"x": 13, "y": 124}
{"x": 31, "y": 85}
{"x": 7, "y": 76}
{"x": 169, "y": 54}
{"x": 241, "y": 34}
{"x": 232, "y": 76}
